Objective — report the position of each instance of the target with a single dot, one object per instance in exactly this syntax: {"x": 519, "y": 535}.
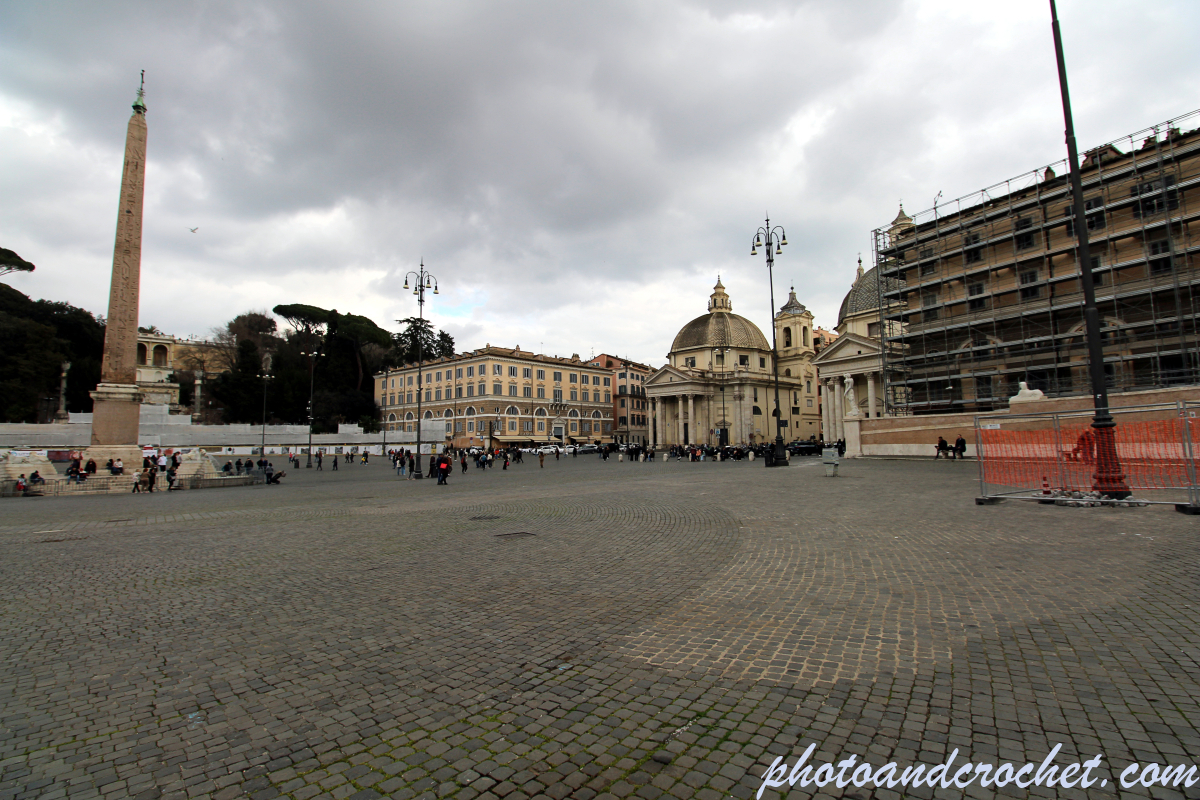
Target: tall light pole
{"x": 776, "y": 238}
{"x": 424, "y": 281}
{"x": 1108, "y": 478}
{"x": 383, "y": 414}
{"x": 312, "y": 369}
{"x": 266, "y": 376}
{"x": 723, "y": 435}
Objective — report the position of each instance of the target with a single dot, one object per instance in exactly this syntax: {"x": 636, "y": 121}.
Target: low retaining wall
{"x": 918, "y": 435}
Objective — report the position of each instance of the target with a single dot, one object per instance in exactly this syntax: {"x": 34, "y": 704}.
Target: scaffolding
{"x": 983, "y": 292}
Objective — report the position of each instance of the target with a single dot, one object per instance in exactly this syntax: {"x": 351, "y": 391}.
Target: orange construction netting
{"x": 1153, "y": 455}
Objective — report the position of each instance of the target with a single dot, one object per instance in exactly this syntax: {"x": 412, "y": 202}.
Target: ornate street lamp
{"x": 776, "y": 239}
{"x": 723, "y": 434}
{"x": 423, "y": 281}
{"x": 312, "y": 368}
{"x": 266, "y": 376}
{"x": 1108, "y": 478}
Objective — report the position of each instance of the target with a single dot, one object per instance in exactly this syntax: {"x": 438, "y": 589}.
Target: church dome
{"x": 865, "y": 294}
{"x": 720, "y": 327}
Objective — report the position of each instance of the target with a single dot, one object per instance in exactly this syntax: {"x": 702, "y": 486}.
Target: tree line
{"x": 336, "y": 354}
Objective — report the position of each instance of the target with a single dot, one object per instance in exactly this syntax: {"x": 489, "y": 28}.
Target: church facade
{"x": 718, "y": 384}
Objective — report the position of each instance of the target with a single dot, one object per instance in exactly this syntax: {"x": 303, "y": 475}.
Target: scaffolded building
{"x": 991, "y": 292}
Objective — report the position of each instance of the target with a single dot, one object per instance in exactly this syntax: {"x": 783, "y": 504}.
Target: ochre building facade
{"x": 497, "y": 396}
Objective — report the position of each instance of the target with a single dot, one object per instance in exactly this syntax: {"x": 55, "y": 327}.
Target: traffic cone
{"x": 1046, "y": 498}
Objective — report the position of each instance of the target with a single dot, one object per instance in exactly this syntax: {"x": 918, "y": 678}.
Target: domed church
{"x": 718, "y": 384}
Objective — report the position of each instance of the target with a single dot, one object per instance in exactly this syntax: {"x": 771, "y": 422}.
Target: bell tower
{"x": 718, "y": 300}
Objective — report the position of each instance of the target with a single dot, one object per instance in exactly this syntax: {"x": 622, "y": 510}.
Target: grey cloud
{"x": 580, "y": 173}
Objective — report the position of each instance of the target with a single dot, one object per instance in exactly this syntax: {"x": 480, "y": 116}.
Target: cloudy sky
{"x": 574, "y": 174}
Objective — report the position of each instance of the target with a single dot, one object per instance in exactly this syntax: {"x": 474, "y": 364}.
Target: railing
{"x": 1052, "y": 457}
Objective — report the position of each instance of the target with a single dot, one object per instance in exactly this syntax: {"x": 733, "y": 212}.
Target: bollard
{"x": 620, "y": 457}
{"x": 751, "y": 456}
{"x": 829, "y": 457}
{"x": 664, "y": 458}
{"x": 642, "y": 458}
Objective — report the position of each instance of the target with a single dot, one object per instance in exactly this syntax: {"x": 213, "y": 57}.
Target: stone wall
{"x": 918, "y": 435}
{"x": 169, "y": 433}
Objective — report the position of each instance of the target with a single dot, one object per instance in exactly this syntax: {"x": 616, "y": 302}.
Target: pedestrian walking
{"x": 541, "y": 460}
{"x": 462, "y": 459}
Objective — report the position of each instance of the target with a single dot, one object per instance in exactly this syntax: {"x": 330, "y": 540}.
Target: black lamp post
{"x": 723, "y": 431}
{"x": 424, "y": 280}
{"x": 1108, "y": 478}
{"x": 266, "y": 376}
{"x": 775, "y": 238}
{"x": 312, "y": 368}
{"x": 387, "y": 371}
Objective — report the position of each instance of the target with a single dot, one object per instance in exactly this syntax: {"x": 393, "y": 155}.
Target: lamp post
{"x": 383, "y": 414}
{"x": 266, "y": 376}
{"x": 776, "y": 238}
{"x": 424, "y": 281}
{"x": 312, "y": 368}
{"x": 1108, "y": 478}
{"x": 723, "y": 435}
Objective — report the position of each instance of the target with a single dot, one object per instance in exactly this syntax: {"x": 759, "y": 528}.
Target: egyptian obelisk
{"x": 117, "y": 401}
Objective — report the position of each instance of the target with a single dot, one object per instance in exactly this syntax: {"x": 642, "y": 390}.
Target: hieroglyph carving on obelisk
{"x": 120, "y": 338}
{"x": 116, "y": 399}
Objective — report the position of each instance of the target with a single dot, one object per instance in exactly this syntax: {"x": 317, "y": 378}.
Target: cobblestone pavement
{"x": 590, "y": 630}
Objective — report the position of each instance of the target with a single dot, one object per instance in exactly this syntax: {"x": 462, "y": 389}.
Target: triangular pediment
{"x": 846, "y": 347}
{"x": 669, "y": 374}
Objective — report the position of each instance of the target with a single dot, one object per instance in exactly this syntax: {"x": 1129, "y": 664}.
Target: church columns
{"x": 658, "y": 422}
{"x": 678, "y": 419}
{"x": 871, "y": 412}
{"x": 839, "y": 408}
{"x": 828, "y": 434}
{"x": 691, "y": 429}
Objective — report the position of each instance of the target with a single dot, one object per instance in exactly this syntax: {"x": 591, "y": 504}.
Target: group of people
{"x": 951, "y": 452}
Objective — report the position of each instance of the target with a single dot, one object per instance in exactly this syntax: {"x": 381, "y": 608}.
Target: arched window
{"x": 541, "y": 412}
{"x": 470, "y": 412}
{"x": 449, "y": 413}
{"x": 787, "y": 373}
{"x": 428, "y": 415}
{"x": 160, "y": 355}
{"x": 757, "y": 411}
{"x": 573, "y": 413}
{"x": 141, "y": 354}
{"x": 787, "y": 337}
{"x": 511, "y": 410}
{"x": 391, "y": 417}
{"x": 597, "y": 415}
{"x": 409, "y": 415}
{"x": 805, "y": 331}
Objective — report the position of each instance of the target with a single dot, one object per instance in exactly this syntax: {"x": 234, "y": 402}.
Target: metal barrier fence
{"x": 112, "y": 484}
{"x": 1052, "y": 457}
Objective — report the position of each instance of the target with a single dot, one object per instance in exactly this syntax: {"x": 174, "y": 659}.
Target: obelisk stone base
{"x": 115, "y": 417}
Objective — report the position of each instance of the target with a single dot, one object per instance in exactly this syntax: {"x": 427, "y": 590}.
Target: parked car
{"x": 806, "y": 447}
{"x": 548, "y": 449}
{"x": 585, "y": 449}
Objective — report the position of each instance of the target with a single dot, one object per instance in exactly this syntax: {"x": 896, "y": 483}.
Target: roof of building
{"x": 504, "y": 352}
{"x": 720, "y": 327}
{"x": 793, "y": 306}
{"x": 865, "y": 295}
